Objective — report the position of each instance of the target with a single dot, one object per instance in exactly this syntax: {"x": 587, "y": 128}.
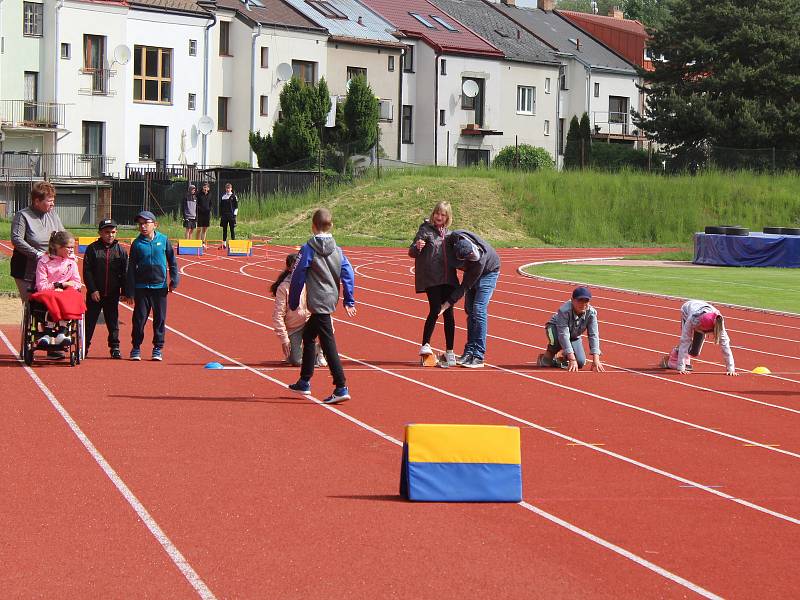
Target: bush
{"x": 615, "y": 157}
{"x": 241, "y": 164}
{"x": 524, "y": 157}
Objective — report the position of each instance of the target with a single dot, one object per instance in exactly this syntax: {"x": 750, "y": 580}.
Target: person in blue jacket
{"x": 151, "y": 257}
{"x": 322, "y": 268}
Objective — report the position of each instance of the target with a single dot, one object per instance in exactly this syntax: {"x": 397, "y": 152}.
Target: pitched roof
{"x": 563, "y": 35}
{"x": 459, "y": 40}
{"x": 627, "y": 25}
{"x": 370, "y": 28}
{"x": 272, "y": 12}
{"x": 515, "y": 42}
{"x": 185, "y": 6}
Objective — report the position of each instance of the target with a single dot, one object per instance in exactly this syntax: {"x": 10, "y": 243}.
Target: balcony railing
{"x": 614, "y": 124}
{"x": 162, "y": 171}
{"x": 22, "y": 113}
{"x": 99, "y": 81}
{"x": 38, "y": 165}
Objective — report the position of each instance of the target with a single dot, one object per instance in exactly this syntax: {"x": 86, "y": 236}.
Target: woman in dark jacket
{"x": 228, "y": 209}
{"x": 434, "y": 276}
{"x": 203, "y": 211}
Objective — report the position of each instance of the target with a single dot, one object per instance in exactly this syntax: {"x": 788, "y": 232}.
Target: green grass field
{"x": 774, "y": 289}
{"x": 7, "y": 285}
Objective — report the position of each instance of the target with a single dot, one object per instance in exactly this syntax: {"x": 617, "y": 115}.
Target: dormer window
{"x": 326, "y": 9}
{"x": 423, "y": 20}
{"x": 443, "y": 23}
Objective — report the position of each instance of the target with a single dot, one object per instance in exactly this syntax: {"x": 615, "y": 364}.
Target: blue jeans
{"x": 476, "y": 303}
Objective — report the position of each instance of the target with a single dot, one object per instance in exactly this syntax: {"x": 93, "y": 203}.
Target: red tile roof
{"x": 462, "y": 41}
{"x": 275, "y": 12}
{"x": 627, "y": 25}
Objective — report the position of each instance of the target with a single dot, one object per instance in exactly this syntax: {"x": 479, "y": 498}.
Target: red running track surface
{"x": 637, "y": 482}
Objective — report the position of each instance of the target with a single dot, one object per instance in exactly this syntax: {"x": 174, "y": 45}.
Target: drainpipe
{"x": 213, "y": 17}
{"x": 399, "y": 110}
{"x": 436, "y": 109}
{"x": 57, "y": 60}
{"x": 256, "y": 35}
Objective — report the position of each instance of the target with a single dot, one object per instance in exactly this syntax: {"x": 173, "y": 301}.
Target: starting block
{"x": 240, "y": 248}
{"x": 83, "y": 242}
{"x": 461, "y": 463}
{"x": 428, "y": 360}
{"x": 191, "y": 247}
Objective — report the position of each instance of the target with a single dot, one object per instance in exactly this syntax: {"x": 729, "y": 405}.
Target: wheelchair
{"x": 34, "y": 317}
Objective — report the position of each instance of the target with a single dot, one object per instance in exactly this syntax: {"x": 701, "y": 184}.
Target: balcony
{"x": 98, "y": 82}
{"x": 40, "y": 116}
{"x": 36, "y": 165}
{"x": 615, "y": 126}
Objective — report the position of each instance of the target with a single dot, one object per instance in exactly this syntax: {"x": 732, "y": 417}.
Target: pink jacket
{"x": 54, "y": 269}
{"x": 284, "y": 319}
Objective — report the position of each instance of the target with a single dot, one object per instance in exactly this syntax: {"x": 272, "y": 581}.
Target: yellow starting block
{"x": 191, "y": 247}
{"x": 240, "y": 248}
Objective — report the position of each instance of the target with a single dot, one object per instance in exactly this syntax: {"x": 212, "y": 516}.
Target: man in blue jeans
{"x": 481, "y": 267}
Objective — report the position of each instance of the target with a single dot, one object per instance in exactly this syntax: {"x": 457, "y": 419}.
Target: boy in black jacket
{"x": 104, "y": 265}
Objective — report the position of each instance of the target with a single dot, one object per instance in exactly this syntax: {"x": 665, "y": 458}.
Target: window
{"x": 355, "y": 72}
{"x": 222, "y": 113}
{"x": 304, "y": 71}
{"x": 469, "y": 157}
{"x": 32, "y": 17}
{"x": 66, "y": 51}
{"x": 562, "y": 77}
{"x": 546, "y": 127}
{"x": 192, "y": 47}
{"x": 94, "y": 59}
{"x": 442, "y": 117}
{"x": 326, "y": 9}
{"x": 152, "y": 74}
{"x": 443, "y": 66}
{"x": 408, "y": 60}
{"x": 263, "y": 103}
{"x": 30, "y": 112}
{"x": 153, "y": 143}
{"x": 192, "y": 101}
{"x": 264, "y": 57}
{"x": 224, "y": 38}
{"x": 596, "y": 90}
{"x": 391, "y": 63}
{"x": 407, "y": 125}
{"x": 546, "y": 85}
{"x": 526, "y": 100}
{"x": 385, "y": 110}
{"x": 93, "y": 137}
{"x": 618, "y": 113}
{"x": 422, "y": 20}
{"x": 443, "y": 23}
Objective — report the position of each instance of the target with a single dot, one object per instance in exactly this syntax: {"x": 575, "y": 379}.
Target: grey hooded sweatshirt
{"x": 321, "y": 267}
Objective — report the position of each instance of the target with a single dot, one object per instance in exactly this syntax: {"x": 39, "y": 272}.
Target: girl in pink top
{"x": 57, "y": 270}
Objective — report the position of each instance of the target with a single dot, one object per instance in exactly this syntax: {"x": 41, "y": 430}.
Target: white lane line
{"x": 527, "y": 506}
{"x": 509, "y": 415}
{"x": 175, "y": 555}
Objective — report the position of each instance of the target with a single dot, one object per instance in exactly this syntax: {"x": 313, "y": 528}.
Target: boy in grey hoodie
{"x": 322, "y": 268}
{"x": 564, "y": 331}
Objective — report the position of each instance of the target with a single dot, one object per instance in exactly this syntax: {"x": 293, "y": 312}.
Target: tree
{"x": 356, "y": 128}
{"x": 572, "y": 157}
{"x": 585, "y": 141}
{"x": 730, "y": 77}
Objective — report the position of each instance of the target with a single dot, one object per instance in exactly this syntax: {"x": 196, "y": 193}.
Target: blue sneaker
{"x": 340, "y": 394}
{"x": 136, "y": 354}
{"x": 302, "y": 386}
{"x": 158, "y": 354}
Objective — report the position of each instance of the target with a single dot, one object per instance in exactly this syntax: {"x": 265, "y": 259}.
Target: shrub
{"x": 615, "y": 157}
{"x": 524, "y": 157}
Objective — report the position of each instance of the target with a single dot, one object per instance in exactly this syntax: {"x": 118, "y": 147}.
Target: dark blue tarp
{"x": 754, "y": 250}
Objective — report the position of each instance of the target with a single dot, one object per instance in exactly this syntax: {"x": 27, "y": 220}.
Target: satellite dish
{"x": 284, "y": 71}
{"x": 205, "y": 124}
{"x": 122, "y": 54}
{"x": 470, "y": 88}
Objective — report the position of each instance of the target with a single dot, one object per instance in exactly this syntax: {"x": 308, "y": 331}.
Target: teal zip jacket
{"x": 148, "y": 264}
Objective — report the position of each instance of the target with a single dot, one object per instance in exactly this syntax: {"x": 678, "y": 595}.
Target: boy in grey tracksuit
{"x": 564, "y": 331}
{"x": 322, "y": 268}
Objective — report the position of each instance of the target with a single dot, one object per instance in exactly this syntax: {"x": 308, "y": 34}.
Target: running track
{"x": 166, "y": 480}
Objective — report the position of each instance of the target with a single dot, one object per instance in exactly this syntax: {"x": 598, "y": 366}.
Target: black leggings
{"x": 438, "y": 295}
{"x": 225, "y": 222}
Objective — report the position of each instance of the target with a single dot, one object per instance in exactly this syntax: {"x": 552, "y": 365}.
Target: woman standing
{"x": 228, "y": 209}
{"x": 434, "y": 276}
{"x": 203, "y": 211}
{"x": 30, "y": 234}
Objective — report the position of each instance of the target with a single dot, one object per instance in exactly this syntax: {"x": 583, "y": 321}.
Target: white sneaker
{"x": 44, "y": 341}
{"x": 448, "y": 359}
{"x": 321, "y": 362}
{"x": 425, "y": 349}
{"x": 60, "y": 339}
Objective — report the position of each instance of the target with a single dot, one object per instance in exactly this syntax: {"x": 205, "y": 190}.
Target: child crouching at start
{"x": 564, "y": 331}
{"x": 699, "y": 319}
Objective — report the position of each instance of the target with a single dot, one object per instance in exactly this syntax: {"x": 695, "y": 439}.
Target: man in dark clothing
{"x": 104, "y": 265}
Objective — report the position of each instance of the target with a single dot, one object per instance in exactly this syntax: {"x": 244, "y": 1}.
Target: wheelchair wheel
{"x": 27, "y": 355}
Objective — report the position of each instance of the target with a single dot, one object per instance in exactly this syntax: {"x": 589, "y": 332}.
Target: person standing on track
{"x": 105, "y": 264}
{"x": 189, "y": 208}
{"x": 228, "y": 209}
{"x": 322, "y": 268}
{"x": 203, "y": 211}
{"x": 699, "y": 319}
{"x": 436, "y": 277}
{"x": 564, "y": 331}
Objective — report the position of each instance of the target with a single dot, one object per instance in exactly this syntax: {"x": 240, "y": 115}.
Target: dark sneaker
{"x": 473, "y": 363}
{"x": 302, "y": 386}
{"x": 543, "y": 361}
{"x": 340, "y": 394}
{"x": 115, "y": 353}
{"x": 464, "y": 357}
{"x": 55, "y": 355}
{"x": 136, "y": 354}
{"x": 158, "y": 354}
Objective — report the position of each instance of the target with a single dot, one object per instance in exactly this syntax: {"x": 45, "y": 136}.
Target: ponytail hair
{"x": 719, "y": 327}
{"x": 58, "y": 239}
{"x": 290, "y": 260}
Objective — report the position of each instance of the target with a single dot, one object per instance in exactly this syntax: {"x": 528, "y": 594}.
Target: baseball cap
{"x": 707, "y": 321}
{"x": 145, "y": 215}
{"x": 581, "y": 293}
{"x": 106, "y": 223}
{"x": 463, "y": 249}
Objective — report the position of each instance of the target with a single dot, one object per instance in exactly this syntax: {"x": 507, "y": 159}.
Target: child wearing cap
{"x": 189, "y": 209}
{"x": 151, "y": 257}
{"x": 564, "y": 330}
{"x": 698, "y": 319}
{"x": 105, "y": 264}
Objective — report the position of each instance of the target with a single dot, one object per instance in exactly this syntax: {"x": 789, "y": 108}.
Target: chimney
{"x": 547, "y": 5}
{"x": 360, "y": 21}
{"x": 616, "y": 12}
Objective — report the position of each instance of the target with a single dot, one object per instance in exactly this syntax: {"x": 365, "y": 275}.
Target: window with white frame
{"x": 32, "y": 19}
{"x": 596, "y": 90}
{"x": 422, "y": 20}
{"x": 152, "y": 74}
{"x": 192, "y": 47}
{"x": 391, "y": 63}
{"x": 264, "y": 57}
{"x": 526, "y": 100}
{"x": 546, "y": 85}
{"x": 546, "y": 127}
{"x": 327, "y": 9}
{"x": 66, "y": 51}
{"x": 264, "y": 105}
{"x": 192, "y": 104}
{"x": 443, "y": 23}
